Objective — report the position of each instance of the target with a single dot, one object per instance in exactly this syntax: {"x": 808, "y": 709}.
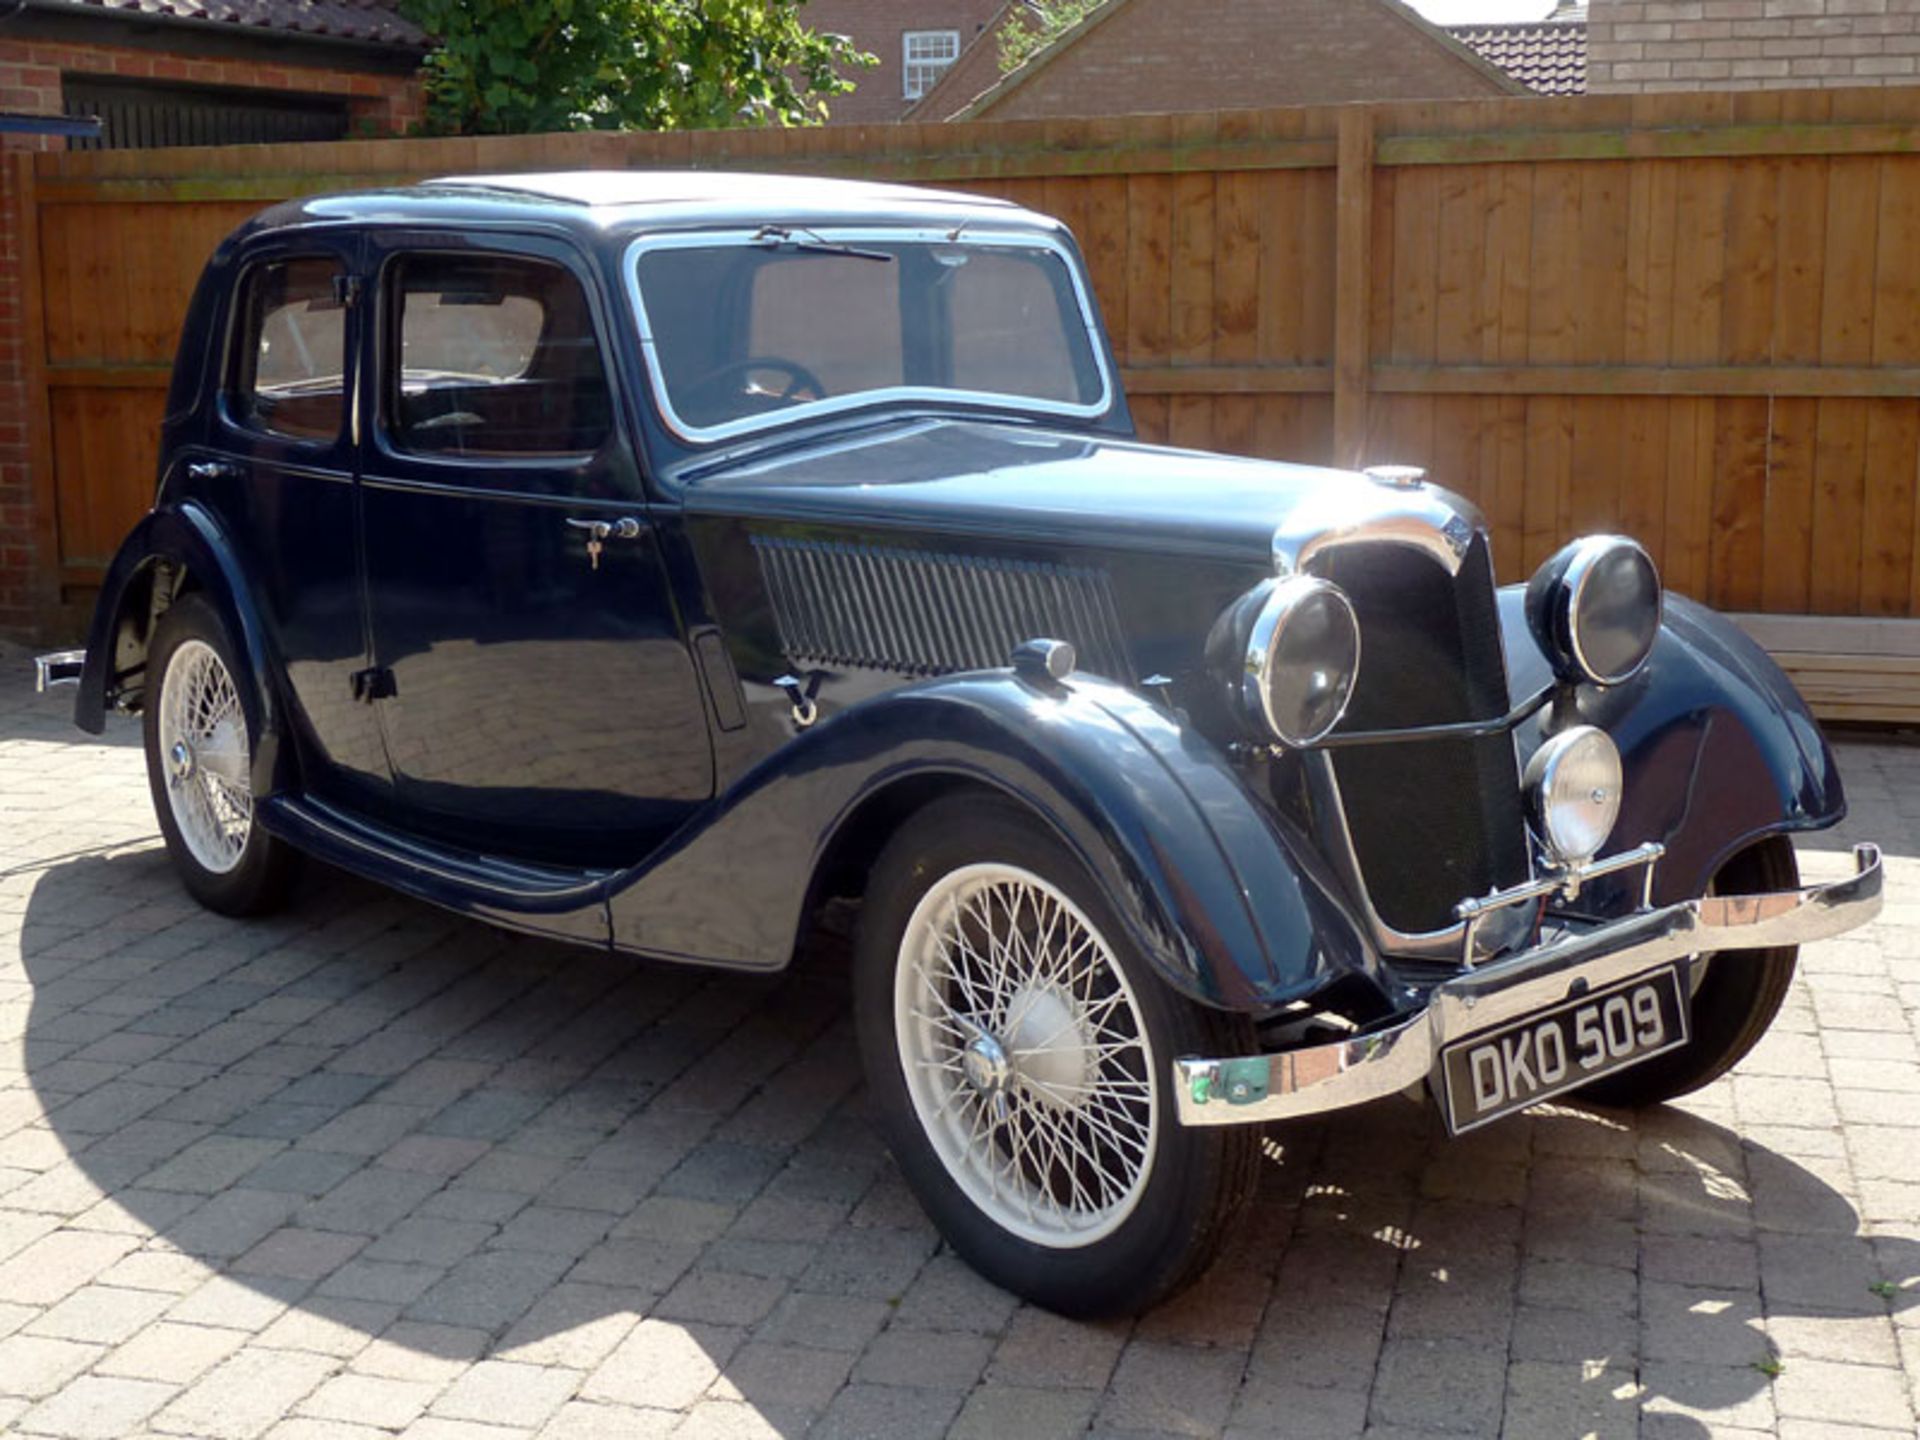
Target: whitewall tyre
{"x": 200, "y": 749}
{"x": 1019, "y": 1056}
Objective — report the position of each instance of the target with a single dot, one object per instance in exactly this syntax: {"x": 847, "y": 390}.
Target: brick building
{"x": 172, "y": 72}
{"x": 1639, "y": 45}
{"x": 914, "y": 41}
{"x": 1135, "y": 56}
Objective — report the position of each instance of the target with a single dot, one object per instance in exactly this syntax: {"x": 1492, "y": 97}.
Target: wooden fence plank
{"x": 1695, "y": 318}
{"x": 1353, "y": 284}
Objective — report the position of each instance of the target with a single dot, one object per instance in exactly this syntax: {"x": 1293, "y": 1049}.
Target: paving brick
{"x": 862, "y": 1412}
{"x": 1171, "y": 1389}
{"x": 370, "y": 1400}
{"x": 33, "y": 1366}
{"x": 1857, "y": 1395}
{"x": 96, "y": 1408}
{"x": 662, "y": 1366}
{"x": 299, "y": 1254}
{"x": 178, "y": 1354}
{"x": 245, "y": 1395}
{"x": 993, "y": 1411}
{"x": 506, "y": 1393}
{"x": 56, "y": 1265}
{"x": 490, "y": 1290}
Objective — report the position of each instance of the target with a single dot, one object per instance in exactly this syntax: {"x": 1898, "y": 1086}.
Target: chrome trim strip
{"x": 1314, "y": 1079}
{"x": 1336, "y": 842}
{"x": 1458, "y": 730}
{"x": 969, "y": 234}
{"x": 60, "y": 667}
{"x": 1439, "y": 525}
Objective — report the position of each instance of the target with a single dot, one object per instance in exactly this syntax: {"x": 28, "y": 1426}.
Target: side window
{"x": 290, "y": 359}
{"x": 492, "y": 355}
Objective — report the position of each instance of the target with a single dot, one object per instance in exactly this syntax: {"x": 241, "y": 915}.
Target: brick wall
{"x": 30, "y": 81}
{"x": 878, "y": 26}
{"x": 1636, "y": 45}
{"x": 1184, "y": 55}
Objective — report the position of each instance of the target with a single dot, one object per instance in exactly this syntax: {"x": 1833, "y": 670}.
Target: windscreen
{"x": 748, "y": 329}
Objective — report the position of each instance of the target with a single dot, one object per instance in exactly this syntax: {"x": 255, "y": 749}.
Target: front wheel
{"x": 1019, "y": 1054}
{"x": 1736, "y": 994}
{"x": 200, "y": 766}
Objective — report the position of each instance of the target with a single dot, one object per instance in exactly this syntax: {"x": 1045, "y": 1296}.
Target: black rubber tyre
{"x": 258, "y": 880}
{"x": 1734, "y": 1002}
{"x": 1197, "y": 1180}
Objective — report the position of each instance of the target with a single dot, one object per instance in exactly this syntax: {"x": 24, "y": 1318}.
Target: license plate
{"x": 1561, "y": 1048}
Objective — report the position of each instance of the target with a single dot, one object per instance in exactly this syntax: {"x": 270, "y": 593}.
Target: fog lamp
{"x": 1573, "y": 787}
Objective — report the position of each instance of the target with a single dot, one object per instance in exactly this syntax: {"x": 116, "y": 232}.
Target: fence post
{"x": 1353, "y": 282}
{"x": 43, "y": 592}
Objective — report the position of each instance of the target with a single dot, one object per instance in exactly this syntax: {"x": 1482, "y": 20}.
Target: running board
{"x": 571, "y": 904}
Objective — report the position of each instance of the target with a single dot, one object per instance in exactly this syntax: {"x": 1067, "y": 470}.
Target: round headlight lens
{"x": 1573, "y": 785}
{"x": 1303, "y": 656}
{"x": 1595, "y": 609}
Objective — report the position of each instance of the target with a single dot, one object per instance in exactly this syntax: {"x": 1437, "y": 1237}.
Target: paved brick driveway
{"x": 367, "y": 1169}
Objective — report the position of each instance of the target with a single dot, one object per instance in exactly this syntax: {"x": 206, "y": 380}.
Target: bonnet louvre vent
{"x": 920, "y": 613}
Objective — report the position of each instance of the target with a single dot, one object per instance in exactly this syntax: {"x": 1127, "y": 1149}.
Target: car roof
{"x": 643, "y": 200}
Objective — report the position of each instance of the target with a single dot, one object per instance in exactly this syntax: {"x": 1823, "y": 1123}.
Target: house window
{"x": 928, "y": 54}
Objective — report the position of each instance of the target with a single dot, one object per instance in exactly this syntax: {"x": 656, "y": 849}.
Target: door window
{"x": 292, "y": 350}
{"x": 493, "y": 355}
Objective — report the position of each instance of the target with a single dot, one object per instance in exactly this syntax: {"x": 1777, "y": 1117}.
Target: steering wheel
{"x": 800, "y": 381}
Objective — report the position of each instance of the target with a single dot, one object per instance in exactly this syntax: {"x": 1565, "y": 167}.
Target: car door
{"x": 536, "y": 695}
{"x": 281, "y": 478}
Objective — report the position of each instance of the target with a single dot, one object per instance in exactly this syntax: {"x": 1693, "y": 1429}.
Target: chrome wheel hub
{"x": 1025, "y": 1056}
{"x": 985, "y": 1063}
{"x": 205, "y": 759}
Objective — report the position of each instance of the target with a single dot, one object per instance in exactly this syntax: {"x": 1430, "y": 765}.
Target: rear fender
{"x": 185, "y": 543}
{"x": 1232, "y": 910}
{"x": 1717, "y": 747}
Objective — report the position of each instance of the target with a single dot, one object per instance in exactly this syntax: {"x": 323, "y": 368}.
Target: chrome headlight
{"x": 1594, "y": 609}
{"x": 1573, "y": 788}
{"x": 1302, "y": 657}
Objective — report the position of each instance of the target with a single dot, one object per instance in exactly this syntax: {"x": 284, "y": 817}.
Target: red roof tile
{"x": 377, "y": 21}
{"x": 1549, "y": 56}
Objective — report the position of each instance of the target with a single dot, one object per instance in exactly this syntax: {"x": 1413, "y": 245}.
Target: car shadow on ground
{"x": 373, "y": 1118}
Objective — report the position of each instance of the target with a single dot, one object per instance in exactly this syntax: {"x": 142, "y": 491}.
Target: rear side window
{"x": 492, "y": 355}
{"x": 292, "y": 350}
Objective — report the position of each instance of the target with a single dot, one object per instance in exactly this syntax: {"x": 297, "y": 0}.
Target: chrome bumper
{"x": 1318, "y": 1078}
{"x": 62, "y": 667}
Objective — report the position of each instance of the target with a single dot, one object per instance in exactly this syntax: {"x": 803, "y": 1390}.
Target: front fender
{"x": 1717, "y": 747}
{"x": 1232, "y": 910}
{"x": 189, "y": 539}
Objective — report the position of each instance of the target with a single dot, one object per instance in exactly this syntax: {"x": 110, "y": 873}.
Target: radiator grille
{"x": 918, "y": 612}
{"x": 1438, "y": 821}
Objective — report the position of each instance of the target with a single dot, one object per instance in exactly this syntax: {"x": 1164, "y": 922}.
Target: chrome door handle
{"x": 212, "y": 470}
{"x": 625, "y": 528}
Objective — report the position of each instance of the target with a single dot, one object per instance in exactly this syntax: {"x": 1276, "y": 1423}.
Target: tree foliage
{"x": 1036, "y": 25}
{"x": 521, "y": 66}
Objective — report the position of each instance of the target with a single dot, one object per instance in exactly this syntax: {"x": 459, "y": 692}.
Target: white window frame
{"x": 925, "y": 69}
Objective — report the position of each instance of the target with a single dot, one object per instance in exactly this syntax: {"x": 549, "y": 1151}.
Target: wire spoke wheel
{"x": 1026, "y": 1056}
{"x": 205, "y": 756}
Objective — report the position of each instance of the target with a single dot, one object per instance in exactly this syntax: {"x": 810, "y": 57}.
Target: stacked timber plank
{"x": 1849, "y": 668}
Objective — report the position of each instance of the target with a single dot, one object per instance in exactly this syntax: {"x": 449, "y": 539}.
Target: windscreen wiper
{"x": 801, "y": 238}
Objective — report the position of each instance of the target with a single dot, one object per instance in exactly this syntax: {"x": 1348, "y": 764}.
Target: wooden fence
{"x": 1693, "y": 318}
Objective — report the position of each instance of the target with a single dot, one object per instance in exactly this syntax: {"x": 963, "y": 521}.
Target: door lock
{"x": 600, "y": 531}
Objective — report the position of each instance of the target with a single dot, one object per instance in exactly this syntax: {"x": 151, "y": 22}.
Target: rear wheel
{"x": 1736, "y": 994}
{"x": 200, "y": 766}
{"x": 1019, "y": 1057}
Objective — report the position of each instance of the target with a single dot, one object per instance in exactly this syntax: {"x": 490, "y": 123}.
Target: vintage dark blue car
{"x": 647, "y": 560}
